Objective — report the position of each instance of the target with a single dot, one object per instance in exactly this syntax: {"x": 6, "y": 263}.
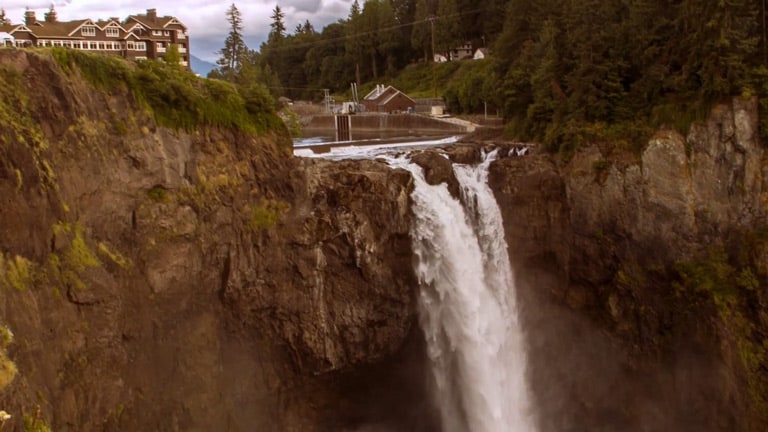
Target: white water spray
{"x": 468, "y": 311}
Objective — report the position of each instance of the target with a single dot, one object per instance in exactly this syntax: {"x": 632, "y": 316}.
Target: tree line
{"x": 556, "y": 68}
{"x": 376, "y": 40}
{"x": 565, "y": 65}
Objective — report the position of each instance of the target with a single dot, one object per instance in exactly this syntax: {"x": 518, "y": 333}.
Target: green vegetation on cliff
{"x": 175, "y": 96}
{"x": 729, "y": 276}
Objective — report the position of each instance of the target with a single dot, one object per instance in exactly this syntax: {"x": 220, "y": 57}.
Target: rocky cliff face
{"x": 664, "y": 252}
{"x": 158, "y": 279}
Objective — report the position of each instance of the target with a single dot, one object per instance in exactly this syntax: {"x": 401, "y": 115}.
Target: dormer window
{"x": 157, "y": 32}
{"x": 88, "y": 31}
{"x": 113, "y": 32}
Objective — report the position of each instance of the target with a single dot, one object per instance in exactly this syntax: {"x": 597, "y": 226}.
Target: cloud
{"x": 206, "y": 21}
{"x": 310, "y": 6}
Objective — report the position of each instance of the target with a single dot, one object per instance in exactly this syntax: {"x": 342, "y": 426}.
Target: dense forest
{"x": 557, "y": 69}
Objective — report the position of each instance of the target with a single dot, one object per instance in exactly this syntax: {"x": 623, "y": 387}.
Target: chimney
{"x": 50, "y": 16}
{"x": 29, "y": 18}
{"x": 152, "y": 13}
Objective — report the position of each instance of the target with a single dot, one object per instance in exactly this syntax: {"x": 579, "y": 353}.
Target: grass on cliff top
{"x": 176, "y": 97}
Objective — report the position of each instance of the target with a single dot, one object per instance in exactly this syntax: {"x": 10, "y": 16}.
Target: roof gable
{"x": 130, "y": 35}
{"x": 393, "y": 95}
{"x": 86, "y": 22}
{"x": 110, "y": 23}
{"x": 174, "y": 20}
{"x": 141, "y": 20}
{"x": 16, "y": 28}
{"x": 379, "y": 92}
{"x": 59, "y": 29}
{"x": 136, "y": 25}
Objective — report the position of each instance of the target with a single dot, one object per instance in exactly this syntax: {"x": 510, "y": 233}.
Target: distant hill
{"x": 200, "y": 66}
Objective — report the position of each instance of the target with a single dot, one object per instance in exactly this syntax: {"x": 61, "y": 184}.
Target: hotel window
{"x": 130, "y": 45}
{"x": 157, "y": 33}
{"x": 88, "y": 31}
{"x": 141, "y": 46}
{"x": 113, "y": 32}
{"x": 93, "y": 45}
{"x": 101, "y": 46}
{"x": 166, "y": 33}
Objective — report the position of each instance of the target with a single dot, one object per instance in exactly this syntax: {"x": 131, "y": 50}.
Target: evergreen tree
{"x": 172, "y": 55}
{"x": 327, "y": 62}
{"x": 234, "y": 45}
{"x": 387, "y": 35}
{"x": 596, "y": 62}
{"x": 548, "y": 97}
{"x": 421, "y": 35}
{"x": 277, "y": 26}
{"x": 354, "y": 38}
{"x": 3, "y": 19}
{"x": 448, "y": 26}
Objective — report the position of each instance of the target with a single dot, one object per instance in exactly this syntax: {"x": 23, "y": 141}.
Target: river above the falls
{"x": 324, "y": 147}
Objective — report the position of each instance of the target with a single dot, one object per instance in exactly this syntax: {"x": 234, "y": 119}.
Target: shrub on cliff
{"x": 176, "y": 97}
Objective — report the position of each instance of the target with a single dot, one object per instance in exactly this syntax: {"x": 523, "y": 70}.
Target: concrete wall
{"x": 388, "y": 122}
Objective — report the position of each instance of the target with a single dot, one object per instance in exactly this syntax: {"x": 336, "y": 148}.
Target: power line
{"x": 430, "y": 19}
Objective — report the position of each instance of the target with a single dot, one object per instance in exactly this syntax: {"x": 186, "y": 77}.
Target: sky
{"x": 205, "y": 19}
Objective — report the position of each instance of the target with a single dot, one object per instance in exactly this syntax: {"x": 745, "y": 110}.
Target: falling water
{"x": 467, "y": 301}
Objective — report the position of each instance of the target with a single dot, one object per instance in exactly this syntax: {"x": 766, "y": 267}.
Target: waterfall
{"x": 467, "y": 305}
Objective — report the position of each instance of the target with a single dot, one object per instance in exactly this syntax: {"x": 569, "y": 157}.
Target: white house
{"x": 480, "y": 54}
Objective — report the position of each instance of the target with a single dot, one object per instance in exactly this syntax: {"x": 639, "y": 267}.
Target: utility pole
{"x": 434, "y": 60}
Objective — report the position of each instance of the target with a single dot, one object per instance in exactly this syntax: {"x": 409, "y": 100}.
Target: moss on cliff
{"x": 727, "y": 274}
{"x": 175, "y": 96}
{"x": 19, "y": 128}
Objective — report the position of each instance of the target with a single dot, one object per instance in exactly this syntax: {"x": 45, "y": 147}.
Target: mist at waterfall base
{"x": 483, "y": 372}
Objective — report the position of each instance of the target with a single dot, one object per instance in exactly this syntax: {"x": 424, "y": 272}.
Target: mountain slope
{"x": 200, "y": 66}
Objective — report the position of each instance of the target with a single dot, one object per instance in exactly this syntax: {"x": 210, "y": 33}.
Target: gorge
{"x": 161, "y": 278}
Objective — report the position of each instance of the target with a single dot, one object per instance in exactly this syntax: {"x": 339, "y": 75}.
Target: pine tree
{"x": 421, "y": 33}
{"x": 277, "y": 26}
{"x": 234, "y": 46}
{"x": 172, "y": 55}
{"x": 448, "y": 25}
{"x": 3, "y": 19}
{"x": 354, "y": 41}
